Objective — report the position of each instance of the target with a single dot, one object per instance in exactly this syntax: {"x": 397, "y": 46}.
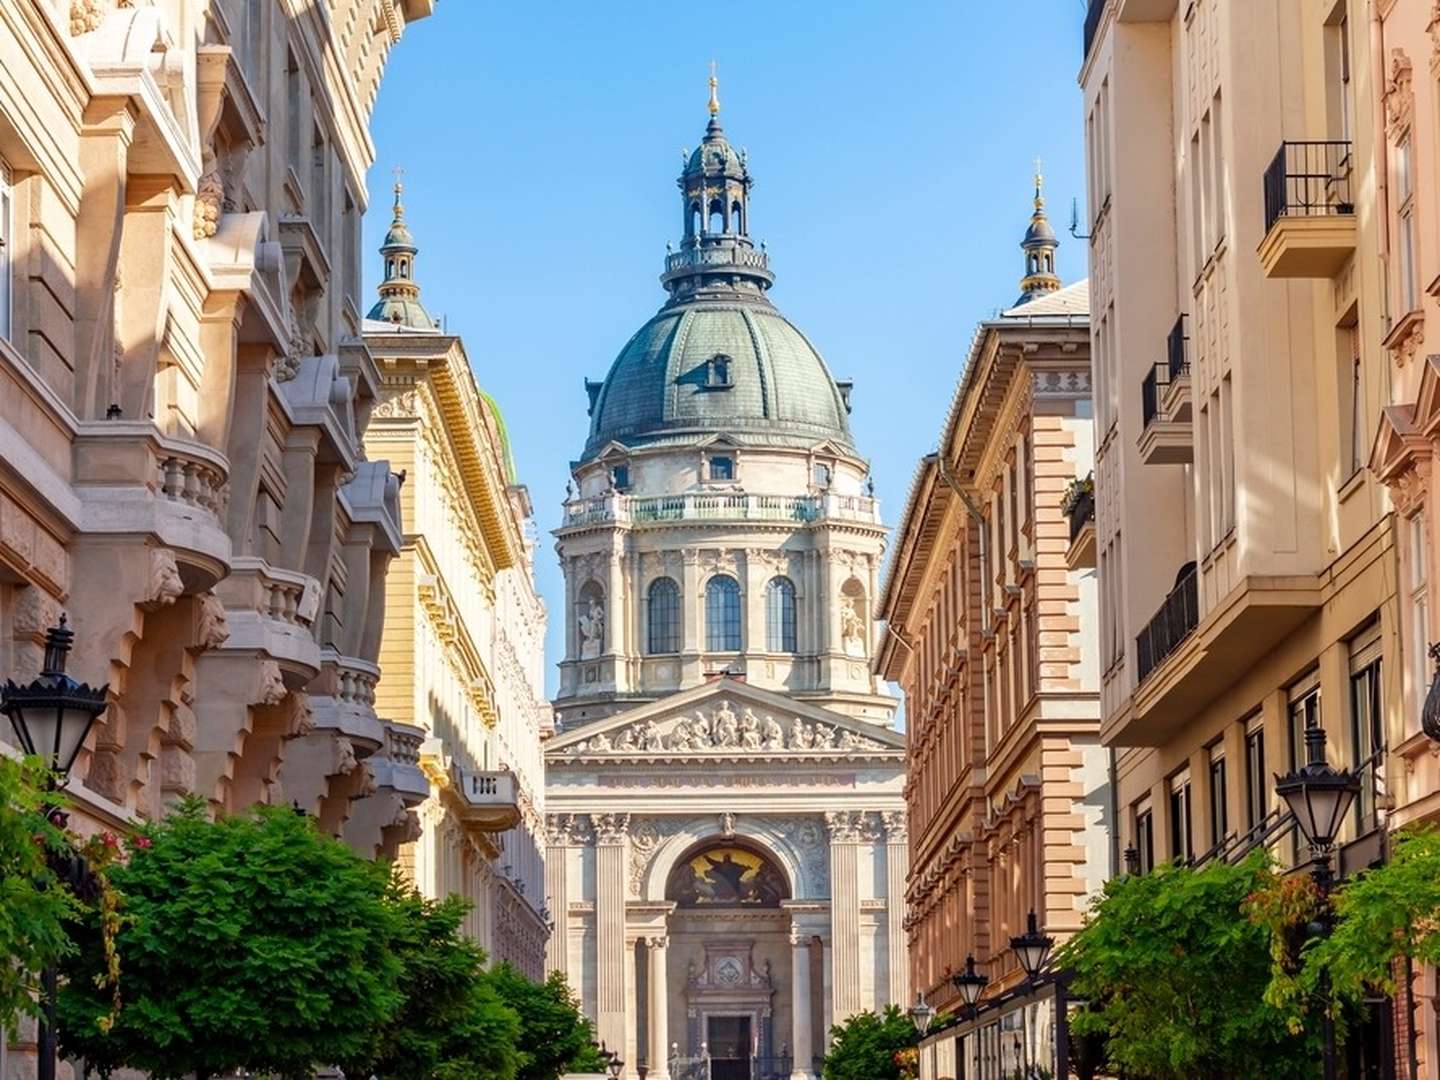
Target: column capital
{"x": 656, "y": 942}
{"x": 844, "y": 825}
{"x": 611, "y": 828}
{"x": 896, "y": 826}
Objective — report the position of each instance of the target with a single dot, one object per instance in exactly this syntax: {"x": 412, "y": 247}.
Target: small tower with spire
{"x": 399, "y": 301}
{"x": 1039, "y": 247}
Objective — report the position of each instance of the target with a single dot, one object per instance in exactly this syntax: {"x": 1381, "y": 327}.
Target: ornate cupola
{"x": 399, "y": 301}
{"x": 717, "y": 257}
{"x": 1039, "y": 247}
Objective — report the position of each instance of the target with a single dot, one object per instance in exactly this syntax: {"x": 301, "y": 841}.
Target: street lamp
{"x": 1319, "y": 796}
{"x": 922, "y": 1014}
{"x": 52, "y": 716}
{"x": 969, "y": 984}
{"x": 1032, "y": 948}
{"x": 613, "y": 1064}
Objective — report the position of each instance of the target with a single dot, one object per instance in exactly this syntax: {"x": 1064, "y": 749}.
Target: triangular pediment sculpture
{"x": 726, "y": 718}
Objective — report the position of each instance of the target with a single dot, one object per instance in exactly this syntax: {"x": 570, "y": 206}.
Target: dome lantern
{"x": 399, "y": 301}
{"x": 1039, "y": 247}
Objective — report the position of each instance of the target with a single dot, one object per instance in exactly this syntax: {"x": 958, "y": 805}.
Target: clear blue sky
{"x": 892, "y": 146}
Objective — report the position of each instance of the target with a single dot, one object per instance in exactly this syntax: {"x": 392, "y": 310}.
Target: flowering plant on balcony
{"x": 1080, "y": 488}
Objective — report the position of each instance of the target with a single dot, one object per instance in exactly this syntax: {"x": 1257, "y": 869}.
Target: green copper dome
{"x": 775, "y": 389}
{"x": 718, "y": 358}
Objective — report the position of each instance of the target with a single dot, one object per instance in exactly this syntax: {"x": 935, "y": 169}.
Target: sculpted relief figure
{"x": 627, "y": 740}
{"x": 727, "y": 729}
{"x": 649, "y": 735}
{"x": 774, "y": 734}
{"x": 749, "y": 730}
{"x": 600, "y": 744}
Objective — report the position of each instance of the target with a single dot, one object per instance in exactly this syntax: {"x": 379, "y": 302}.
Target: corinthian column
{"x": 800, "y": 1005}
{"x": 659, "y": 1022}
{"x": 561, "y": 833}
{"x": 897, "y": 862}
{"x": 612, "y": 993}
{"x": 844, "y": 829}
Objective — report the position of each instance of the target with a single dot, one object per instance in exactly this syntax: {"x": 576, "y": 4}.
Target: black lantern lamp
{"x": 1430, "y": 711}
{"x": 969, "y": 984}
{"x": 1032, "y": 947}
{"x": 922, "y": 1014}
{"x": 1132, "y": 861}
{"x": 53, "y": 715}
{"x": 1317, "y": 794}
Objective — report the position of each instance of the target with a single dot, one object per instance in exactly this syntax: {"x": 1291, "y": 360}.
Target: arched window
{"x": 664, "y": 617}
{"x": 780, "y": 615}
{"x": 389, "y": 268}
{"x": 693, "y": 225}
{"x": 717, "y": 216}
{"x": 722, "y": 614}
{"x": 737, "y": 217}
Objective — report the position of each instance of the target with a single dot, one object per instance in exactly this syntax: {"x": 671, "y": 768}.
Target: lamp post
{"x": 613, "y": 1064}
{"x": 922, "y": 1015}
{"x": 1032, "y": 948}
{"x": 52, "y": 717}
{"x": 969, "y": 984}
{"x": 1319, "y": 796}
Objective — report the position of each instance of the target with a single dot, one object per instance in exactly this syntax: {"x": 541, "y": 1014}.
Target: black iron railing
{"x": 1092, "y": 22}
{"x": 1175, "y": 357}
{"x": 1308, "y": 179}
{"x": 1172, "y": 624}
{"x": 1155, "y": 381}
{"x": 1082, "y": 512}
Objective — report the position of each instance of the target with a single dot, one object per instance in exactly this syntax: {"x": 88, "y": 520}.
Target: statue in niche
{"x": 852, "y": 626}
{"x": 591, "y": 624}
{"x": 774, "y": 734}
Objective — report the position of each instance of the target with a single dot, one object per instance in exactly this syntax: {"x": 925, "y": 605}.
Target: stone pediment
{"x": 726, "y": 719}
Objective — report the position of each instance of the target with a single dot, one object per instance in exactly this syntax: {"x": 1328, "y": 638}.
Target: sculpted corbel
{"x": 165, "y": 583}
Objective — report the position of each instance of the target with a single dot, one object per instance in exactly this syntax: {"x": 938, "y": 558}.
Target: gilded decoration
{"x": 727, "y": 876}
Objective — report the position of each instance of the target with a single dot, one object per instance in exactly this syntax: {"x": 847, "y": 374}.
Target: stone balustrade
{"x": 343, "y": 699}
{"x": 490, "y": 798}
{"x": 644, "y": 511}
{"x": 270, "y": 611}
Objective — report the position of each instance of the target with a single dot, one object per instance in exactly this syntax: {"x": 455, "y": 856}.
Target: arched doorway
{"x": 730, "y": 955}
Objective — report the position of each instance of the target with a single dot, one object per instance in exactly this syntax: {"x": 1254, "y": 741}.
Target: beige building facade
{"x": 1245, "y": 339}
{"x": 727, "y": 837}
{"x": 1406, "y": 99}
{"x": 185, "y": 393}
{"x": 463, "y": 643}
{"x": 992, "y": 632}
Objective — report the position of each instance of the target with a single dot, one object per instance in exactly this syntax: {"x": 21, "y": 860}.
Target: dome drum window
{"x": 722, "y": 614}
{"x": 718, "y": 375}
{"x": 663, "y": 617}
{"x": 722, "y": 467}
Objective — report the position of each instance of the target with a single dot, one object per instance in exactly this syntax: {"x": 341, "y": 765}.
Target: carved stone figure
{"x": 626, "y": 740}
{"x": 727, "y": 729}
{"x": 774, "y": 734}
{"x": 649, "y": 736}
{"x": 824, "y": 737}
{"x": 852, "y": 626}
{"x": 272, "y": 684}
{"x": 211, "y": 628}
{"x": 600, "y": 743}
{"x": 165, "y": 583}
{"x": 592, "y": 629}
{"x": 802, "y": 735}
{"x": 749, "y": 730}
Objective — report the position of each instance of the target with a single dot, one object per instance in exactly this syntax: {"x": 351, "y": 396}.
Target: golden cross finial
{"x": 714, "y": 91}
{"x": 1039, "y": 186}
{"x": 399, "y": 179}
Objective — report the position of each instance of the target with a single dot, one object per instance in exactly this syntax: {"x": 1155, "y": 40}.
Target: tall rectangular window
{"x": 1304, "y": 714}
{"x": 7, "y": 233}
{"x": 1145, "y": 836}
{"x": 1197, "y": 209}
{"x": 1406, "y": 286}
{"x": 1219, "y": 180}
{"x": 1182, "y": 832}
{"x": 1417, "y": 583}
{"x": 1365, "y": 735}
{"x": 1255, "y": 778}
{"x": 1219, "y": 795}
{"x": 1352, "y": 400}
{"x": 722, "y": 614}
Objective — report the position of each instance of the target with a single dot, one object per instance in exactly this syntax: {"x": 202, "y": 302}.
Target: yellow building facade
{"x": 463, "y": 644}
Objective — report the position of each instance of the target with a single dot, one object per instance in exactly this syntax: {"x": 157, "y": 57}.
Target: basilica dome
{"x": 740, "y": 368}
{"x": 718, "y": 358}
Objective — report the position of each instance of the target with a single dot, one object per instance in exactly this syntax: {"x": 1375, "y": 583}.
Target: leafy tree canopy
{"x": 866, "y": 1045}
{"x": 453, "y": 1023}
{"x": 555, "y": 1037}
{"x": 252, "y": 942}
{"x": 1176, "y": 977}
{"x": 33, "y": 908}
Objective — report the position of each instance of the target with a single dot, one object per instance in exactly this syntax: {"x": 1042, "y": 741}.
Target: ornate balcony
{"x": 270, "y": 612}
{"x": 490, "y": 800}
{"x": 1309, "y": 210}
{"x": 661, "y": 510}
{"x": 1172, "y": 624}
{"x": 1081, "y": 515}
{"x": 343, "y": 697}
{"x": 133, "y": 480}
{"x": 397, "y": 766}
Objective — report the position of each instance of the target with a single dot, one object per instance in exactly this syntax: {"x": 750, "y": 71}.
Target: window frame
{"x": 724, "y": 622}
{"x": 1256, "y": 803}
{"x": 1219, "y": 794}
{"x": 662, "y": 638}
{"x": 781, "y": 621}
{"x": 7, "y": 243}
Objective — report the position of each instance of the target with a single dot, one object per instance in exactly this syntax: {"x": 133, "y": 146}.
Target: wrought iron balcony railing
{"x": 1082, "y": 512}
{"x": 1176, "y": 358}
{"x": 1308, "y": 179}
{"x": 1092, "y": 22}
{"x": 1172, "y": 624}
{"x": 1151, "y": 389}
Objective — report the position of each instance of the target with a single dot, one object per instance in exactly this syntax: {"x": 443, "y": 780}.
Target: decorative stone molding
{"x": 166, "y": 585}
{"x": 896, "y": 826}
{"x": 211, "y": 628}
{"x": 844, "y": 826}
{"x": 611, "y": 828}
{"x": 1399, "y": 95}
{"x": 272, "y": 684}
{"x": 723, "y": 729}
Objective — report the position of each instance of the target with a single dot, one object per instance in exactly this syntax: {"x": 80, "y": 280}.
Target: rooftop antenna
{"x": 1075, "y": 221}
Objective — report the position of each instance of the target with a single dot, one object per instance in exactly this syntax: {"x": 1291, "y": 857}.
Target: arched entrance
{"x": 730, "y": 959}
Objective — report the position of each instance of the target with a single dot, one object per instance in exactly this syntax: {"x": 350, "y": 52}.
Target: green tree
{"x": 1382, "y": 916}
{"x": 453, "y": 1024}
{"x": 555, "y": 1037}
{"x": 34, "y": 906}
{"x": 1176, "y": 977}
{"x": 866, "y": 1045}
{"x": 251, "y": 942}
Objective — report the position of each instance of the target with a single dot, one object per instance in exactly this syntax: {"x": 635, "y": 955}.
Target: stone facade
{"x": 185, "y": 394}
{"x": 463, "y": 645}
{"x": 726, "y": 830}
{"x": 992, "y": 632}
{"x": 1247, "y": 558}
